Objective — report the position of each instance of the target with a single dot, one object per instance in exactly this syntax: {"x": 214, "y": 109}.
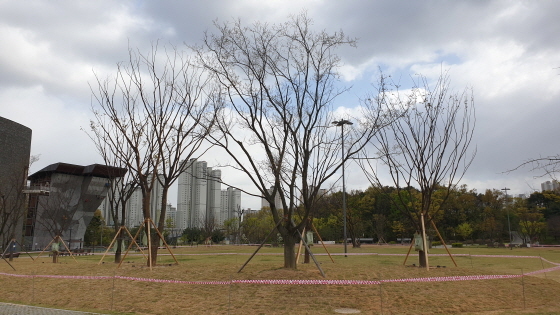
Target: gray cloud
{"x": 507, "y": 51}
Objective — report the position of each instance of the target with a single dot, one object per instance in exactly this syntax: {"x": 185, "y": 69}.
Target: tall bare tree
{"x": 154, "y": 115}
{"x": 429, "y": 147}
{"x": 278, "y": 84}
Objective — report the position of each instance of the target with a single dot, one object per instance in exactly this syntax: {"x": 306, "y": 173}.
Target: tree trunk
{"x": 422, "y": 258}
{"x": 118, "y": 251}
{"x": 54, "y": 257}
{"x": 152, "y": 255}
{"x": 289, "y": 251}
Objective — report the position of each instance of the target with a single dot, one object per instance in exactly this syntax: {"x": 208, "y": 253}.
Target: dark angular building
{"x": 15, "y": 149}
{"x": 62, "y": 201}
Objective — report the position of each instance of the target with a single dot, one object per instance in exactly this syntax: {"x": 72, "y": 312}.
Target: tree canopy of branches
{"x": 429, "y": 147}
{"x": 153, "y": 116}
{"x": 278, "y": 85}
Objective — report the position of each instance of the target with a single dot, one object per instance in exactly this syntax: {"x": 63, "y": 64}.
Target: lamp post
{"x": 341, "y": 123}
{"x": 507, "y": 209}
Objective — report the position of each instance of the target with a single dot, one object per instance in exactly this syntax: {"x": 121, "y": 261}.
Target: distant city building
{"x": 550, "y": 185}
{"x": 230, "y": 204}
{"x": 134, "y": 212}
{"x": 15, "y": 149}
{"x": 213, "y": 197}
{"x": 277, "y": 201}
{"x": 134, "y": 215}
{"x": 62, "y": 201}
{"x": 200, "y": 198}
{"x": 249, "y": 211}
{"x": 171, "y": 215}
{"x": 192, "y": 194}
{"x": 320, "y": 193}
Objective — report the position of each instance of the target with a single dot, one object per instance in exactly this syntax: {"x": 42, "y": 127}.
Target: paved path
{"x": 16, "y": 309}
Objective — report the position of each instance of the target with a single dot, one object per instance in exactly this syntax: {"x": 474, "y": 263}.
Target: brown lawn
{"x": 107, "y": 292}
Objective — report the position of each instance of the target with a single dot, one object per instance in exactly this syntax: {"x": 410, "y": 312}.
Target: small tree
{"x": 427, "y": 147}
{"x": 464, "y": 230}
{"x": 153, "y": 116}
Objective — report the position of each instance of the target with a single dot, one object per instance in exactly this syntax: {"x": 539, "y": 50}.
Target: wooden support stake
{"x": 165, "y": 243}
{"x": 319, "y": 236}
{"x": 260, "y": 246}
{"x": 409, "y": 248}
{"x": 443, "y": 242}
{"x": 299, "y": 248}
{"x": 424, "y": 241}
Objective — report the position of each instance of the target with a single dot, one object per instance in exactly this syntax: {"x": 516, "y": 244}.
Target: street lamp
{"x": 507, "y": 209}
{"x": 341, "y": 123}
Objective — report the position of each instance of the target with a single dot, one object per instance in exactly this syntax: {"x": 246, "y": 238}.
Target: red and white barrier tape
{"x": 292, "y": 282}
{"x": 320, "y": 282}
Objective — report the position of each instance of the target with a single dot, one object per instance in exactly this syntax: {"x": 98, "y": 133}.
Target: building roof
{"x": 96, "y": 170}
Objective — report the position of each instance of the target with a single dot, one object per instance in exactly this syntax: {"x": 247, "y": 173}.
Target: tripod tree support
{"x": 115, "y": 238}
{"x": 311, "y": 254}
{"x": 12, "y": 242}
{"x": 57, "y": 239}
{"x": 147, "y": 222}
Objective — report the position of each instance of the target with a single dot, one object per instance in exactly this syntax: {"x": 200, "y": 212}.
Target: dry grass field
{"x": 85, "y": 285}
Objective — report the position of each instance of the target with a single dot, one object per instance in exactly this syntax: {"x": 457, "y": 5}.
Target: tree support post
{"x": 260, "y": 246}
{"x": 322, "y": 243}
{"x": 310, "y": 253}
{"x": 443, "y": 242}
{"x": 425, "y": 244}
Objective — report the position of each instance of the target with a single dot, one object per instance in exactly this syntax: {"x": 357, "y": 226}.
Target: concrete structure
{"x": 71, "y": 195}
{"x": 15, "y": 149}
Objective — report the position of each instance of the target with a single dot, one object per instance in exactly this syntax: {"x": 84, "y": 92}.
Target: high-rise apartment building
{"x": 192, "y": 195}
{"x": 277, "y": 201}
{"x": 134, "y": 212}
{"x": 213, "y": 204}
{"x": 550, "y": 185}
{"x": 230, "y": 204}
{"x": 200, "y": 198}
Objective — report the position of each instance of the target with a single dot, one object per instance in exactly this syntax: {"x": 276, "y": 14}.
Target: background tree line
{"x": 466, "y": 216}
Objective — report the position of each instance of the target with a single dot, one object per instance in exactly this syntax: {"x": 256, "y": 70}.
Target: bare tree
{"x": 122, "y": 186}
{"x": 154, "y": 115}
{"x": 59, "y": 213}
{"x": 12, "y": 201}
{"x": 428, "y": 147}
{"x": 278, "y": 85}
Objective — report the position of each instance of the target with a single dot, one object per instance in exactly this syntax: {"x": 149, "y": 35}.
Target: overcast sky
{"x": 507, "y": 51}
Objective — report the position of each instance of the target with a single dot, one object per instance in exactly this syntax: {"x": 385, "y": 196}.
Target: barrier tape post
{"x": 523, "y": 287}
{"x": 542, "y": 264}
{"x": 113, "y": 290}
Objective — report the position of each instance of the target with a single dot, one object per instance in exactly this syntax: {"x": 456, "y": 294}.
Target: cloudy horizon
{"x": 506, "y": 51}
